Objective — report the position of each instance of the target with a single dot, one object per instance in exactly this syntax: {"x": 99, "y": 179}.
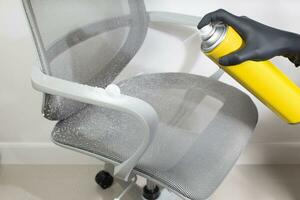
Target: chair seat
{"x": 204, "y": 126}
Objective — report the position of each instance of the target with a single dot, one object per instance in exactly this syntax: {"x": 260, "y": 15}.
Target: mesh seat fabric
{"x": 193, "y": 149}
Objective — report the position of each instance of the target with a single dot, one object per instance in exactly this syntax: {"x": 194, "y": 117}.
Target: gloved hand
{"x": 262, "y": 42}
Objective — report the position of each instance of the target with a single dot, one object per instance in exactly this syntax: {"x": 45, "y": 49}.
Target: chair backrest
{"x": 84, "y": 41}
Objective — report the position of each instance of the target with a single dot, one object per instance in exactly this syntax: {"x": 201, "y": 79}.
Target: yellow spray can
{"x": 263, "y": 79}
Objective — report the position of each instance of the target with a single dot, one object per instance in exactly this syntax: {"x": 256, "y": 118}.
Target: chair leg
{"x": 109, "y": 168}
{"x": 128, "y": 186}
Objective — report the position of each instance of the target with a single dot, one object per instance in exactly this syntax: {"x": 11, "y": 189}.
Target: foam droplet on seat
{"x": 113, "y": 90}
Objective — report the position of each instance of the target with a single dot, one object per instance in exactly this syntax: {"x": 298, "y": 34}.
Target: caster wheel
{"x": 104, "y": 179}
{"x": 151, "y": 194}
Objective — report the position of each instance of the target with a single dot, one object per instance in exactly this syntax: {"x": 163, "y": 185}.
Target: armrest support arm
{"x": 110, "y": 98}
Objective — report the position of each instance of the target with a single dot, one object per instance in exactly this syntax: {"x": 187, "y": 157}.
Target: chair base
{"x": 150, "y": 191}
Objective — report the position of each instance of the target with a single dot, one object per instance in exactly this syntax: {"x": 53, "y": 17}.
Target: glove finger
{"x": 220, "y": 15}
{"x": 295, "y": 59}
{"x": 238, "y": 57}
{"x": 207, "y": 19}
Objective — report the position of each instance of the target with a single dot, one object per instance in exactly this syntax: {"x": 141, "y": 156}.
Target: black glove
{"x": 262, "y": 42}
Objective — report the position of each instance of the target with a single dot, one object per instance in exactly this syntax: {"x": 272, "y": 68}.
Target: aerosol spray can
{"x": 263, "y": 79}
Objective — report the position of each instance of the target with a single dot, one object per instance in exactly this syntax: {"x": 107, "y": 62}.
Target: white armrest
{"x": 110, "y": 98}
{"x": 174, "y": 18}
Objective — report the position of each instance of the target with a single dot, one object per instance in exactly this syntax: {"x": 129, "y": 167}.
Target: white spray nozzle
{"x": 207, "y": 31}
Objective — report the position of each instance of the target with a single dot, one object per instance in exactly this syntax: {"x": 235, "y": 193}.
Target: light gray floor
{"x": 63, "y": 182}
{"x": 281, "y": 182}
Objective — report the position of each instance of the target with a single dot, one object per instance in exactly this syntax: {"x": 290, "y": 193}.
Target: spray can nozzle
{"x": 211, "y": 35}
{"x": 207, "y": 31}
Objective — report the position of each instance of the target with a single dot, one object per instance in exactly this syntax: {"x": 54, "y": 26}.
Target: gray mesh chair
{"x": 180, "y": 131}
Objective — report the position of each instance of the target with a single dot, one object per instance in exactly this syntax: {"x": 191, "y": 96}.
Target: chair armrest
{"x": 174, "y": 18}
{"x": 109, "y": 98}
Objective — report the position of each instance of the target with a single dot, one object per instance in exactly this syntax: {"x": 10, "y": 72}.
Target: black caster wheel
{"x": 151, "y": 194}
{"x": 104, "y": 179}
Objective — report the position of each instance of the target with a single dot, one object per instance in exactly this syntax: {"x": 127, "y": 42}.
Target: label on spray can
{"x": 263, "y": 79}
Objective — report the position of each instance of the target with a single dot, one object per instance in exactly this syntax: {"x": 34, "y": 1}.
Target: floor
{"x": 63, "y": 182}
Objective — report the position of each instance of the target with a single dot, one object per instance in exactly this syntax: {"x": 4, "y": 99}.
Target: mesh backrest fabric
{"x": 83, "y": 41}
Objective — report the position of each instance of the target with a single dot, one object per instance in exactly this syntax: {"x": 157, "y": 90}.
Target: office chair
{"x": 180, "y": 131}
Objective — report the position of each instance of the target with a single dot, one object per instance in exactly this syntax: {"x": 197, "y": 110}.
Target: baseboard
{"x": 48, "y": 153}
{"x": 41, "y": 153}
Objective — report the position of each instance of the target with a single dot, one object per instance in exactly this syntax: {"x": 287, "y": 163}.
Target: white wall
{"x": 164, "y": 50}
